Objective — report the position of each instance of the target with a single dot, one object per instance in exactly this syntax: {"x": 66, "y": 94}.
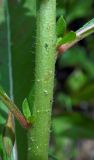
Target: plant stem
{"x": 80, "y": 34}
{"x": 38, "y": 138}
{"x": 14, "y": 109}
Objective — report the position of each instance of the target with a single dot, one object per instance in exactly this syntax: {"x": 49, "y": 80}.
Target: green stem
{"x": 80, "y": 34}
{"x": 14, "y": 109}
{"x": 38, "y": 138}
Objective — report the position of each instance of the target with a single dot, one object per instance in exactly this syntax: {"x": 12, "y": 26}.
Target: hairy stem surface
{"x": 44, "y": 80}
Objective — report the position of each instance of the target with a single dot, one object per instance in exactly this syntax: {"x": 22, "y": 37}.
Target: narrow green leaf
{"x": 71, "y": 36}
{"x": 60, "y": 27}
{"x": 26, "y": 110}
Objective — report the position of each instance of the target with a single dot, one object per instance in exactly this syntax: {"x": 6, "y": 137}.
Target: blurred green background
{"x": 73, "y": 109}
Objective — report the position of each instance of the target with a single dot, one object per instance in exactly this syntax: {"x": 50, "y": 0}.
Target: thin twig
{"x": 14, "y": 109}
{"x": 80, "y": 34}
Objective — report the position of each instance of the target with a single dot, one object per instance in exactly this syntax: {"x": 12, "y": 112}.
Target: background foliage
{"x": 74, "y": 86}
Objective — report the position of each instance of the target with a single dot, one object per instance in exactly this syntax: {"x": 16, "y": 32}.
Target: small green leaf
{"x": 61, "y": 26}
{"x": 26, "y": 110}
{"x": 71, "y": 36}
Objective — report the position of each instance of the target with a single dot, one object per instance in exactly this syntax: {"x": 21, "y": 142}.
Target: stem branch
{"x": 14, "y": 109}
{"x": 80, "y": 34}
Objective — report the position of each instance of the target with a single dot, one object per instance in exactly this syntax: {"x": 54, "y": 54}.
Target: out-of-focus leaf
{"x": 86, "y": 94}
{"x": 64, "y": 101}
{"x": 5, "y": 69}
{"x": 76, "y": 57}
{"x": 21, "y": 43}
{"x": 52, "y": 156}
{"x": 60, "y": 27}
{"x": 69, "y": 128}
{"x": 73, "y": 57}
{"x": 78, "y": 9}
{"x": 76, "y": 80}
{"x": 73, "y": 125}
{"x": 90, "y": 42}
{"x": 23, "y": 28}
{"x": 73, "y": 10}
{"x": 69, "y": 37}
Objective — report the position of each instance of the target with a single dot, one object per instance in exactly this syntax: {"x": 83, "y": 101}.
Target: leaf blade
{"x": 69, "y": 37}
{"x": 60, "y": 27}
